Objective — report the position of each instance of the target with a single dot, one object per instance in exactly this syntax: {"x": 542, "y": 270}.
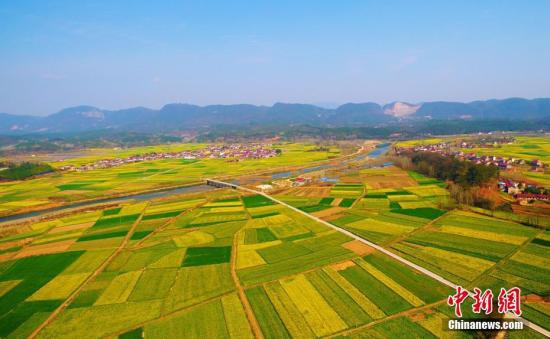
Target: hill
{"x": 177, "y": 117}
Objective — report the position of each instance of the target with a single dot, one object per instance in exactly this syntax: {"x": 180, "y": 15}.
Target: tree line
{"x": 468, "y": 183}
{"x": 23, "y": 170}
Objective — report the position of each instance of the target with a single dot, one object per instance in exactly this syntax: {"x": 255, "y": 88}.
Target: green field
{"x": 68, "y": 187}
{"x": 466, "y": 248}
{"x": 226, "y": 264}
{"x": 179, "y": 274}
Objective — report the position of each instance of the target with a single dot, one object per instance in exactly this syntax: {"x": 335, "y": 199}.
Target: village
{"x": 502, "y": 163}
{"x": 231, "y": 151}
{"x": 522, "y": 191}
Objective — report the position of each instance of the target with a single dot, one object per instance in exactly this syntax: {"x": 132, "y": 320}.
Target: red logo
{"x": 457, "y": 299}
{"x": 508, "y": 300}
{"x": 483, "y": 302}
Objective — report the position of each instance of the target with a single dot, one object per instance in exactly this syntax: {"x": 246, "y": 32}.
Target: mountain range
{"x": 179, "y": 117}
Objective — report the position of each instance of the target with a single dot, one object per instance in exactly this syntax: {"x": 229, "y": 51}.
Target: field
{"x": 466, "y": 248}
{"x": 162, "y": 266}
{"x": 407, "y": 201}
{"x": 527, "y": 148}
{"x": 227, "y": 264}
{"x": 524, "y": 147}
{"x": 67, "y": 187}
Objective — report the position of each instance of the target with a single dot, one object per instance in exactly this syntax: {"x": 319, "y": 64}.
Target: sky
{"x": 120, "y": 54}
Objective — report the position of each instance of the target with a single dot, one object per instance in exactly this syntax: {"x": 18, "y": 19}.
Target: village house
{"x": 234, "y": 152}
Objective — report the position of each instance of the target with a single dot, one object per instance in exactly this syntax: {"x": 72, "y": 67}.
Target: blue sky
{"x": 118, "y": 54}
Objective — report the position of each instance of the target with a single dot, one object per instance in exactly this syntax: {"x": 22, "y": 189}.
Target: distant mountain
{"x": 513, "y": 108}
{"x": 358, "y": 115}
{"x": 400, "y": 109}
{"x": 177, "y": 117}
{"x": 16, "y": 123}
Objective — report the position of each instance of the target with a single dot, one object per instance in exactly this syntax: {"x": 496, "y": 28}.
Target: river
{"x": 380, "y": 150}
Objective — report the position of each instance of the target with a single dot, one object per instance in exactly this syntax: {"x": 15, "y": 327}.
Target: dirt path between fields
{"x": 505, "y": 259}
{"x": 416, "y": 230}
{"x": 421, "y": 269}
{"x": 254, "y": 325}
{"x": 162, "y": 227}
{"x": 94, "y": 274}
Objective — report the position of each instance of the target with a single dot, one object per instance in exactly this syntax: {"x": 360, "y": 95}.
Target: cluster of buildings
{"x": 519, "y": 190}
{"x": 502, "y": 163}
{"x": 522, "y": 191}
{"x": 231, "y": 151}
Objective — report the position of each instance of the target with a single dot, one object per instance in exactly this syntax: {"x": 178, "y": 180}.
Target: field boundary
{"x": 421, "y": 269}
{"x": 94, "y": 274}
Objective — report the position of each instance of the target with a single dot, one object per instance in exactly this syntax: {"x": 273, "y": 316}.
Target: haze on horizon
{"x": 56, "y": 54}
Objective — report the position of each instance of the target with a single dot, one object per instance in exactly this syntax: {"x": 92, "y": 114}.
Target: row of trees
{"x": 468, "y": 183}
{"x": 19, "y": 171}
{"x": 463, "y": 173}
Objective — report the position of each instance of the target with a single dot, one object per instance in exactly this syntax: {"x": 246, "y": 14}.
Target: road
{"x": 421, "y": 269}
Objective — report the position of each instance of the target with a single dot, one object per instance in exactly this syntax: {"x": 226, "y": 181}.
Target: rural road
{"x": 421, "y": 269}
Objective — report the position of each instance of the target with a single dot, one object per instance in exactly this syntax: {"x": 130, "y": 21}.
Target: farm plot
{"x": 527, "y": 268}
{"x": 461, "y": 246}
{"x": 380, "y": 226}
{"x": 307, "y": 192}
{"x": 339, "y": 297}
{"x": 66, "y": 187}
{"x": 158, "y": 275}
{"x": 346, "y": 190}
{"x": 301, "y": 278}
{"x": 315, "y": 205}
{"x": 388, "y": 177}
{"x": 423, "y": 180}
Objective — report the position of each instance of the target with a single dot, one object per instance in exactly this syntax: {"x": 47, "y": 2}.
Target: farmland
{"x": 229, "y": 264}
{"x": 523, "y": 149}
{"x": 466, "y": 248}
{"x": 165, "y": 265}
{"x": 68, "y": 187}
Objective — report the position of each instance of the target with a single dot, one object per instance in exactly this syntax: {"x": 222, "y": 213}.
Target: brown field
{"x": 328, "y": 212}
{"x": 358, "y": 247}
{"x": 351, "y": 179}
{"x": 71, "y": 227}
{"x": 333, "y": 217}
{"x": 308, "y": 192}
{"x": 536, "y": 298}
{"x": 6, "y": 256}
{"x": 392, "y": 177}
{"x": 417, "y": 316}
{"x": 253, "y": 179}
{"x": 342, "y": 265}
{"x": 55, "y": 247}
{"x": 534, "y": 209}
{"x": 336, "y": 201}
{"x": 15, "y": 243}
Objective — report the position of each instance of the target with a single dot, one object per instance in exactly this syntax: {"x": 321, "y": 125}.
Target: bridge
{"x": 220, "y": 184}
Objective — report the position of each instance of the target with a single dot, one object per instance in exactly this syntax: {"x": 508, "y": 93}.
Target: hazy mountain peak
{"x": 83, "y": 111}
{"x": 400, "y": 109}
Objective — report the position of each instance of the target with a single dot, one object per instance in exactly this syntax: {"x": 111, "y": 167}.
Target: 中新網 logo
{"x": 508, "y": 300}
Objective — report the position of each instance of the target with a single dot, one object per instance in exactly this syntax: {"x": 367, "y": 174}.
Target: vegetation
{"x": 463, "y": 173}
{"x": 227, "y": 264}
{"x": 68, "y": 187}
{"x": 24, "y": 170}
